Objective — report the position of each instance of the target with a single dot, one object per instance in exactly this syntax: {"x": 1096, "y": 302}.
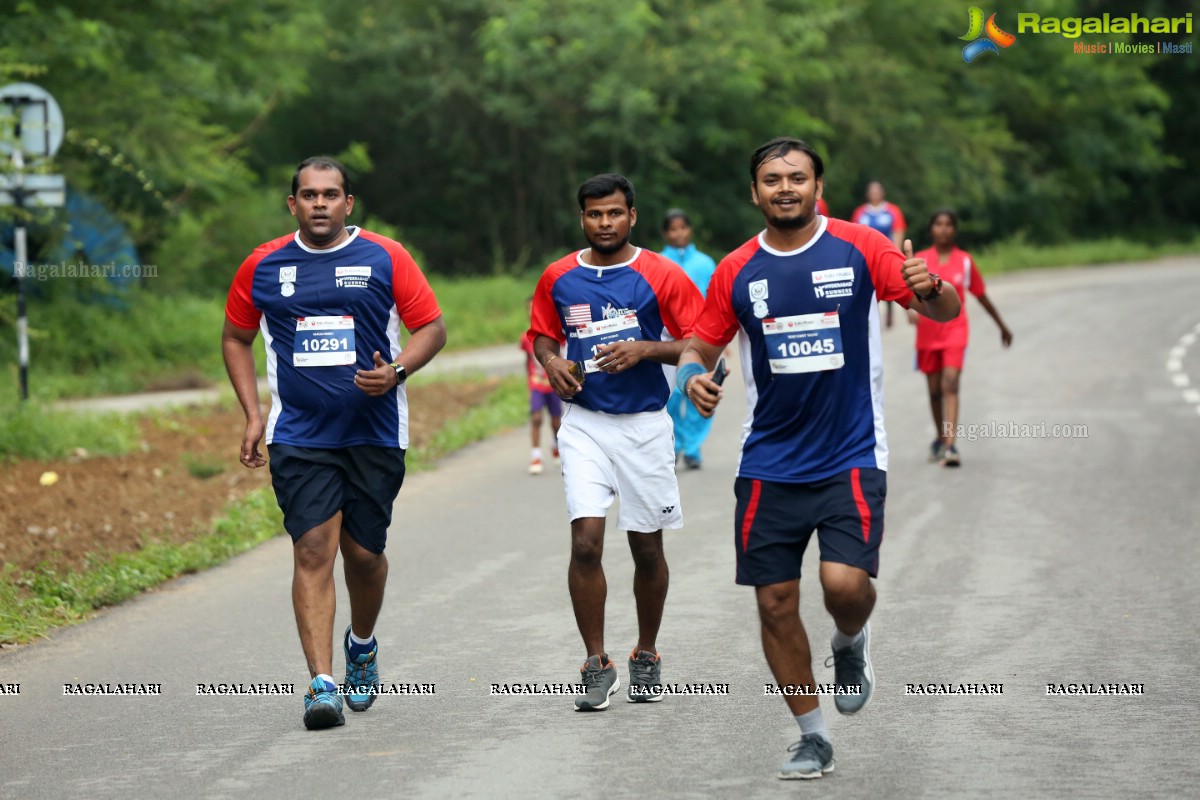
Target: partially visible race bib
{"x": 804, "y": 343}
{"x": 595, "y": 335}
{"x": 323, "y": 342}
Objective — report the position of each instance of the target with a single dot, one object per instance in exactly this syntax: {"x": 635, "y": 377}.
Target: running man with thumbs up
{"x": 814, "y": 453}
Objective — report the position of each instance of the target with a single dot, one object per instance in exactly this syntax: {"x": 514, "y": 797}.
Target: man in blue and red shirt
{"x": 329, "y": 300}
{"x": 885, "y": 217}
{"x": 624, "y": 314}
{"x": 802, "y": 296}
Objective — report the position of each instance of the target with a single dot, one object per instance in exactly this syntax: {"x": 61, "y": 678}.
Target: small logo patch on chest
{"x": 351, "y": 277}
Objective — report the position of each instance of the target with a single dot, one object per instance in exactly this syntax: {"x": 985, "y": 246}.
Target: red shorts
{"x": 931, "y": 361}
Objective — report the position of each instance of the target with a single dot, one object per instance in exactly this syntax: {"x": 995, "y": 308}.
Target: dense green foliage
{"x": 469, "y": 123}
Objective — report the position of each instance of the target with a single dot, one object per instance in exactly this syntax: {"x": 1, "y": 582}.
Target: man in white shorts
{"x": 625, "y": 315}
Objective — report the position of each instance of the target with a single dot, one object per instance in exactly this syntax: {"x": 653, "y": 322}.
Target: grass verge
{"x": 1017, "y": 254}
{"x": 33, "y": 602}
{"x": 507, "y": 406}
{"x": 30, "y": 432}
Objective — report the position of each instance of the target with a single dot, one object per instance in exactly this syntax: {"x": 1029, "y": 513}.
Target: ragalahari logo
{"x": 993, "y": 40}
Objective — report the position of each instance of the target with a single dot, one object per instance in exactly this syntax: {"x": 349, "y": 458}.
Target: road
{"x": 1041, "y": 561}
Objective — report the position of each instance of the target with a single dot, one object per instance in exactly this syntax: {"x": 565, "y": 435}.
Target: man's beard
{"x": 608, "y": 249}
{"x": 789, "y": 223}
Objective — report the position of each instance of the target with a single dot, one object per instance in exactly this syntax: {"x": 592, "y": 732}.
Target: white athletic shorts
{"x": 630, "y": 456}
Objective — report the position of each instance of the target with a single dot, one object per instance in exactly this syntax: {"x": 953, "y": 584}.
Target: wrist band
{"x": 548, "y": 360}
{"x": 687, "y": 371}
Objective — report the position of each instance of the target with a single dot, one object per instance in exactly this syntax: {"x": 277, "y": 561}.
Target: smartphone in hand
{"x": 576, "y": 370}
{"x": 720, "y": 373}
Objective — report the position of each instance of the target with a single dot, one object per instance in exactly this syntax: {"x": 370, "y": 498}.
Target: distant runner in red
{"x": 941, "y": 346}
{"x": 541, "y": 397}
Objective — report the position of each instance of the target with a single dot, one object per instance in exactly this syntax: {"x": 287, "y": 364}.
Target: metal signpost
{"x": 37, "y": 129}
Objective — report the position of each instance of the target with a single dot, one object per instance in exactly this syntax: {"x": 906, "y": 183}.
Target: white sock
{"x": 813, "y": 722}
{"x": 842, "y": 641}
{"x": 328, "y": 679}
{"x": 537, "y": 453}
{"x": 357, "y": 640}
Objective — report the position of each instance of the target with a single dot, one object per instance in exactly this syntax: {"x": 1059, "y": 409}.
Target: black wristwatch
{"x": 401, "y": 373}
{"x": 934, "y": 292}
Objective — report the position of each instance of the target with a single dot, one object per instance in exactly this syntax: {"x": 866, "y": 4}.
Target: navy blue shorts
{"x": 313, "y": 484}
{"x": 774, "y": 521}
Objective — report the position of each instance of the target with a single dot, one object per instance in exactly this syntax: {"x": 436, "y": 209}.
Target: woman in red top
{"x": 942, "y": 345}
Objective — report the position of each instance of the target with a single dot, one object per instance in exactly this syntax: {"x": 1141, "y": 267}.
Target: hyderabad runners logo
{"x": 992, "y": 40}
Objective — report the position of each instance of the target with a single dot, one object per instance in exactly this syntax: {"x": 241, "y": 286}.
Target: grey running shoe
{"x": 936, "y": 451}
{"x": 645, "y": 677}
{"x": 851, "y": 669}
{"x": 950, "y": 457}
{"x": 691, "y": 463}
{"x": 601, "y": 681}
{"x": 812, "y": 757}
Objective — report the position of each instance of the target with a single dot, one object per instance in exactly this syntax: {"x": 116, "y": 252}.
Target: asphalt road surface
{"x": 1041, "y": 561}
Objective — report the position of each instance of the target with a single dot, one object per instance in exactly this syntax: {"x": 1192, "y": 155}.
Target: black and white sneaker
{"x": 600, "y": 681}
{"x": 645, "y": 677}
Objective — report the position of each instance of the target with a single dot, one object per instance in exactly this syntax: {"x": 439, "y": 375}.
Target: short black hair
{"x": 946, "y": 212}
{"x": 320, "y": 162}
{"x": 781, "y": 146}
{"x": 603, "y": 185}
{"x": 674, "y": 214}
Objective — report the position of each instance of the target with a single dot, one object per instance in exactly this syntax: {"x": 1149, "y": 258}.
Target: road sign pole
{"x": 20, "y": 267}
{"x": 19, "y": 270}
{"x": 42, "y": 190}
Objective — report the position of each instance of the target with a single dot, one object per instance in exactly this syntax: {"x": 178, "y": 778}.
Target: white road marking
{"x": 1175, "y": 367}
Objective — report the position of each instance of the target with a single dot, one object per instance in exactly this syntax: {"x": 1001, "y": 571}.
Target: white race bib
{"x": 607, "y": 331}
{"x": 804, "y": 343}
{"x": 323, "y": 342}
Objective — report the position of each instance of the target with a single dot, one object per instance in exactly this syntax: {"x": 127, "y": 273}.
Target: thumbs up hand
{"x": 915, "y": 272}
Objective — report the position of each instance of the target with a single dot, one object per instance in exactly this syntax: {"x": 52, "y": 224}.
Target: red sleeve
{"x": 977, "y": 286}
{"x": 679, "y": 301}
{"x": 901, "y": 226}
{"x": 718, "y": 323}
{"x": 822, "y": 207}
{"x": 239, "y": 306}
{"x": 884, "y": 260}
{"x": 857, "y": 212}
{"x": 411, "y": 292}
{"x": 544, "y": 319}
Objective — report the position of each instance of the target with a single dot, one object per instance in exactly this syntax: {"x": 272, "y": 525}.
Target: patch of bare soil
{"x": 184, "y": 474}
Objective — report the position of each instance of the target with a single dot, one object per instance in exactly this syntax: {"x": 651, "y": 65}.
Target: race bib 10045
{"x": 804, "y": 343}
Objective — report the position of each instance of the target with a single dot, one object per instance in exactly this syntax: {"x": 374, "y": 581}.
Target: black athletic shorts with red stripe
{"x": 774, "y": 521}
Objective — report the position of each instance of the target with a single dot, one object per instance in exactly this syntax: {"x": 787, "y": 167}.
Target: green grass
{"x": 1017, "y": 254}
{"x": 83, "y": 348}
{"x": 37, "y": 600}
{"x": 28, "y": 431}
{"x": 34, "y": 601}
{"x": 485, "y": 311}
{"x": 506, "y": 407}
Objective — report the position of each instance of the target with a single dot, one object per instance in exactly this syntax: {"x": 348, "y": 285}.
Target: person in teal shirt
{"x": 691, "y": 429}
